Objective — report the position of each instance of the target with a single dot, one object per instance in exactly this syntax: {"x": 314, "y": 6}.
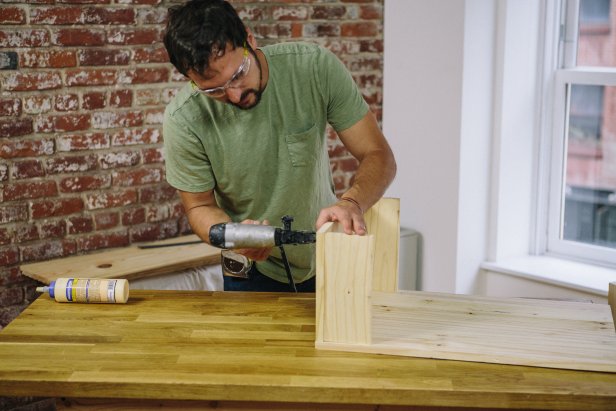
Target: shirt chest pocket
{"x": 303, "y": 147}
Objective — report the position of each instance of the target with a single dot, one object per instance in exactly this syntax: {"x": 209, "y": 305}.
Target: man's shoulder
{"x": 182, "y": 101}
{"x": 294, "y": 48}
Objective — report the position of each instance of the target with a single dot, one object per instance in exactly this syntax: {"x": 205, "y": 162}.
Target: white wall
{"x": 437, "y": 116}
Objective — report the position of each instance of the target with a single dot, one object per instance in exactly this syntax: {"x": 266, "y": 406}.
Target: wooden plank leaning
{"x": 360, "y": 309}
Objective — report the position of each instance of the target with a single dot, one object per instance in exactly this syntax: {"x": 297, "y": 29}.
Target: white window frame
{"x": 564, "y": 75}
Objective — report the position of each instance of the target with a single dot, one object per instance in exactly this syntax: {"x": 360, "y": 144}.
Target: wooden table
{"x": 257, "y": 351}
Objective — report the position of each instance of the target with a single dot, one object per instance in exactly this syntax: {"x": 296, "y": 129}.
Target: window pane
{"x": 597, "y": 34}
{"x": 590, "y": 195}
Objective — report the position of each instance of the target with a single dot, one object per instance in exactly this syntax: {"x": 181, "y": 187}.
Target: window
{"x": 582, "y": 201}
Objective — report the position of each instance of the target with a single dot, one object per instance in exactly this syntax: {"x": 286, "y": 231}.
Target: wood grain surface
{"x": 170, "y": 345}
{"x": 128, "y": 262}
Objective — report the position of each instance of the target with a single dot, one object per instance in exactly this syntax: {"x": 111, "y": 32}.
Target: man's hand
{"x": 345, "y": 212}
{"x": 255, "y": 254}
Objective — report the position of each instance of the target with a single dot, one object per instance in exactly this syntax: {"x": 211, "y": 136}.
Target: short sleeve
{"x": 187, "y": 165}
{"x": 345, "y": 103}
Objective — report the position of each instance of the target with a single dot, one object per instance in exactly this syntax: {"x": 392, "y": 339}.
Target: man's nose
{"x": 234, "y": 94}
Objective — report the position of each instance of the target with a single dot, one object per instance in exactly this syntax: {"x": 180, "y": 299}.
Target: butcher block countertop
{"x": 253, "y": 347}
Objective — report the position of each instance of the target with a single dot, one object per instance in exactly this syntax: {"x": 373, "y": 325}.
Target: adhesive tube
{"x": 87, "y": 290}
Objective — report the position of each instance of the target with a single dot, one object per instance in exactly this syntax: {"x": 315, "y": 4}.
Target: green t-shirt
{"x": 271, "y": 160}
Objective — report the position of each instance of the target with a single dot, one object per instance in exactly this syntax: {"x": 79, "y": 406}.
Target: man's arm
{"x": 377, "y": 169}
{"x": 203, "y": 213}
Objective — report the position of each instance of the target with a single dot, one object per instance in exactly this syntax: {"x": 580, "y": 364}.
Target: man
{"x": 245, "y": 139}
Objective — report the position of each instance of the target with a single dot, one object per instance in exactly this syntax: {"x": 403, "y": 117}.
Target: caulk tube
{"x": 87, "y": 290}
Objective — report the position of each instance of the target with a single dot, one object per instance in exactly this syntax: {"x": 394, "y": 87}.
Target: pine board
{"x": 127, "y": 262}
{"x": 539, "y": 333}
{"x": 221, "y": 346}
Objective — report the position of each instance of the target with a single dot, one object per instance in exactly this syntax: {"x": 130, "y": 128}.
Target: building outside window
{"x": 582, "y": 221}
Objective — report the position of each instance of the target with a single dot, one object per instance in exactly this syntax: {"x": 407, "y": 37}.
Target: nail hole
{"x": 104, "y": 265}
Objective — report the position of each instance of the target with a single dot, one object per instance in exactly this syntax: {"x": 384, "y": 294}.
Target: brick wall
{"x": 83, "y": 87}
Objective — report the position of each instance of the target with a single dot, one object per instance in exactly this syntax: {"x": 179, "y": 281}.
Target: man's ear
{"x": 251, "y": 39}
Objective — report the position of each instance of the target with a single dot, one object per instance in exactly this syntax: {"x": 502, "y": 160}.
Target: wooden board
{"x": 470, "y": 328}
{"x": 223, "y": 346}
{"x": 128, "y": 262}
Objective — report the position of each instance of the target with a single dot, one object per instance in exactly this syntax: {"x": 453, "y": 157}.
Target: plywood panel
{"x": 383, "y": 221}
{"x": 127, "y": 262}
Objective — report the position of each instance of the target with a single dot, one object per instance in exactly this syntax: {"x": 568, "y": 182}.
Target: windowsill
{"x": 556, "y": 271}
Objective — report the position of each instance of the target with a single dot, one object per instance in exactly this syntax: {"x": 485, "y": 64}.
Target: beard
{"x": 246, "y": 94}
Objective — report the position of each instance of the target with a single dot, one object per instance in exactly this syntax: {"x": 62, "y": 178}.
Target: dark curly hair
{"x": 199, "y": 28}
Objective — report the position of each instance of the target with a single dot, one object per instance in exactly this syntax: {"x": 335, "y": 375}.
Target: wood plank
{"x": 383, "y": 221}
{"x": 127, "y": 262}
{"x": 217, "y": 346}
{"x": 523, "y": 332}
{"x": 469, "y": 328}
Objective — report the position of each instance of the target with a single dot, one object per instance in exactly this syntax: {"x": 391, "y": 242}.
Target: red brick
{"x": 371, "y": 46}
{"x": 11, "y": 296}
{"x": 152, "y": 232}
{"x": 79, "y": 142}
{"x": 320, "y": 30}
{"x": 17, "y": 38}
{"x": 52, "y": 229}
{"x": 136, "y": 136}
{"x": 133, "y": 216}
{"x": 9, "y": 255}
{"x": 4, "y": 172}
{"x": 177, "y": 76}
{"x": 119, "y": 159}
{"x": 27, "y": 169}
{"x": 55, "y": 208}
{"x": 147, "y": 97}
{"x": 289, "y": 12}
{"x": 81, "y": 15}
{"x": 177, "y": 210}
{"x": 25, "y": 148}
{"x": 131, "y": 178}
{"x": 365, "y": 63}
{"x": 360, "y": 29}
{"x": 10, "y": 275}
{"x": 47, "y": 250}
{"x": 126, "y": 36}
{"x": 10, "y": 107}
{"x": 371, "y": 12}
{"x": 81, "y": 183}
{"x": 77, "y": 37}
{"x": 333, "y": 12}
{"x": 83, "y": 1}
{"x": 113, "y": 119}
{"x": 104, "y": 57}
{"x": 14, "y": 127}
{"x": 37, "y": 104}
{"x": 158, "y": 213}
{"x": 96, "y": 201}
{"x": 106, "y": 220}
{"x": 154, "y": 54}
{"x": 156, "y": 194}
{"x": 273, "y": 30}
{"x": 79, "y": 225}
{"x": 65, "y": 122}
{"x": 26, "y": 232}
{"x": 67, "y": 102}
{"x": 152, "y": 155}
{"x": 144, "y": 75}
{"x": 154, "y": 116}
{"x": 72, "y": 164}
{"x": 152, "y": 2}
{"x": 121, "y": 98}
{"x": 152, "y": 15}
{"x": 94, "y": 101}
{"x": 6, "y": 235}
{"x": 107, "y": 240}
{"x": 12, "y": 15}
{"x": 13, "y": 213}
{"x": 103, "y": 77}
{"x": 47, "y": 58}
{"x": 32, "y": 81}
{"x": 29, "y": 190}
{"x": 253, "y": 12}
